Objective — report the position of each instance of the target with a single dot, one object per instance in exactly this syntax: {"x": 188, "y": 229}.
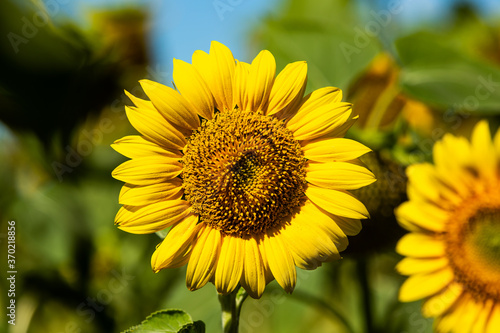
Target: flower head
{"x": 250, "y": 175}
{"x": 453, "y": 250}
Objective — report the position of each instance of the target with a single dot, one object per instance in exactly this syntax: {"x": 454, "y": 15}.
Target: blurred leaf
{"x": 168, "y": 321}
{"x": 54, "y": 76}
{"x": 326, "y": 34}
{"x": 440, "y": 74}
{"x": 480, "y": 37}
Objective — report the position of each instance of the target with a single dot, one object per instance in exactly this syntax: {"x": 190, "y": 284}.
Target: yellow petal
{"x": 309, "y": 243}
{"x": 307, "y": 249}
{"x": 438, "y": 304}
{"x": 451, "y": 321}
{"x": 426, "y": 185}
{"x": 260, "y": 81}
{"x": 481, "y": 323}
{"x": 451, "y": 157}
{"x": 324, "y": 221}
{"x": 316, "y": 99}
{"x": 483, "y": 151}
{"x": 422, "y": 178}
{"x": 321, "y": 121}
{"x": 410, "y": 266}
{"x": 181, "y": 260}
{"x": 288, "y": 87}
{"x": 265, "y": 263}
{"x": 253, "y": 278}
{"x": 420, "y": 246}
{"x": 494, "y": 320}
{"x": 134, "y": 146}
{"x": 469, "y": 313}
{"x": 333, "y": 149}
{"x": 139, "y": 102}
{"x": 193, "y": 88}
{"x": 177, "y": 244}
{"x": 230, "y": 264}
{"x": 350, "y": 227}
{"x": 203, "y": 260}
{"x": 339, "y": 203}
{"x": 171, "y": 104}
{"x": 240, "y": 97}
{"x": 218, "y": 71}
{"x": 201, "y": 61}
{"x": 452, "y": 151}
{"x": 148, "y": 170}
{"x": 340, "y": 131}
{"x": 144, "y": 195}
{"x": 424, "y": 285}
{"x": 496, "y": 142}
{"x": 153, "y": 217}
{"x": 280, "y": 261}
{"x": 339, "y": 175}
{"x": 152, "y": 125}
{"x": 423, "y": 215}
{"x": 291, "y": 109}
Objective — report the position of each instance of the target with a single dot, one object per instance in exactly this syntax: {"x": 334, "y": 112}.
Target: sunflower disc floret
{"x": 243, "y": 173}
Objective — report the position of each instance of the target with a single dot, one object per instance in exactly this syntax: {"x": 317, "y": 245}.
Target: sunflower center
{"x": 243, "y": 173}
{"x": 473, "y": 245}
{"x": 484, "y": 236}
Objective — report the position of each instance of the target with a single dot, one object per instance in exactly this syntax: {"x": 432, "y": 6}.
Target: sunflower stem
{"x": 231, "y": 308}
{"x": 362, "y": 270}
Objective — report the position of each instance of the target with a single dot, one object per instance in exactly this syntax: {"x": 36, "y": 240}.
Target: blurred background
{"x": 413, "y": 69}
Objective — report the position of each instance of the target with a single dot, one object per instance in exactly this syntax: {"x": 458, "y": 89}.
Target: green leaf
{"x": 196, "y": 327}
{"x": 328, "y": 35}
{"x": 162, "y": 233}
{"x": 167, "y": 321}
{"x": 442, "y": 75}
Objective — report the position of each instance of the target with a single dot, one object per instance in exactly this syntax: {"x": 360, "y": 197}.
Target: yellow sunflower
{"x": 250, "y": 175}
{"x": 453, "y": 250}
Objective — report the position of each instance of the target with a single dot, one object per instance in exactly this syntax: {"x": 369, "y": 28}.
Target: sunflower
{"x": 250, "y": 175}
{"x": 453, "y": 250}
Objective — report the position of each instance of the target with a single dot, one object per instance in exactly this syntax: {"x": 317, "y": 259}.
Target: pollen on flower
{"x": 473, "y": 246}
{"x": 243, "y": 172}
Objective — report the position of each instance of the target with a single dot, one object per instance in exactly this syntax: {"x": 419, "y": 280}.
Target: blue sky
{"x": 178, "y": 27}
{"x": 192, "y": 25}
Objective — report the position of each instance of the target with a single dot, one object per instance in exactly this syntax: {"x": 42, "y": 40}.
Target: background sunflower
{"x": 415, "y": 71}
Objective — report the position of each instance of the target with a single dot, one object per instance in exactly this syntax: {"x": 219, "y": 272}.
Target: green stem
{"x": 362, "y": 271}
{"x": 231, "y": 307}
